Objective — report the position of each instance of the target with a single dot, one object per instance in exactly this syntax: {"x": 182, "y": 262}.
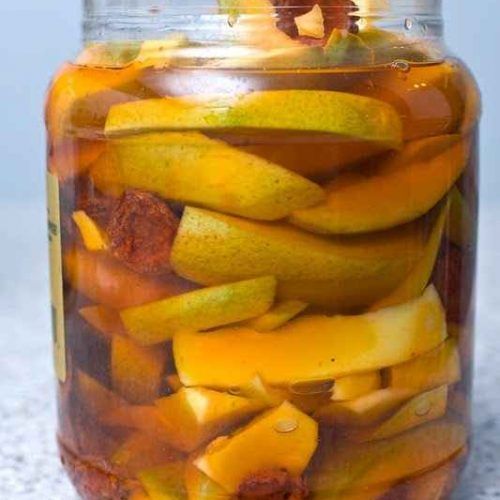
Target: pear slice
{"x": 157, "y": 322}
{"x": 343, "y": 272}
{"x": 257, "y": 390}
{"x": 191, "y": 168}
{"x": 395, "y": 191}
{"x": 312, "y": 348}
{"x": 194, "y": 416}
{"x": 279, "y": 315}
{"x": 104, "y": 320}
{"x": 94, "y": 238}
{"x": 284, "y": 438}
{"x": 312, "y": 23}
{"x": 200, "y": 487}
{"x": 164, "y": 482}
{"x": 324, "y": 111}
{"x": 355, "y": 386}
{"x": 460, "y": 228}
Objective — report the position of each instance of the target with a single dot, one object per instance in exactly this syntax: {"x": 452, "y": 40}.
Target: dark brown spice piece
{"x": 273, "y": 485}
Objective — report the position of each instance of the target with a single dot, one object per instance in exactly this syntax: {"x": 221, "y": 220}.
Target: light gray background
{"x": 35, "y": 37}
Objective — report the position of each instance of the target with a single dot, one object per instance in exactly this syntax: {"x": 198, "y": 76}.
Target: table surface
{"x": 29, "y": 466}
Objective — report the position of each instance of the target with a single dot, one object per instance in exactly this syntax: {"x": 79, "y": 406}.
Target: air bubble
{"x": 423, "y": 409}
{"x": 408, "y": 24}
{"x": 401, "y": 65}
{"x": 285, "y": 426}
{"x": 235, "y": 391}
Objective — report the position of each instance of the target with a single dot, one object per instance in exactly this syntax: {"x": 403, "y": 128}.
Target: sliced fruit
{"x": 283, "y": 438}
{"x": 305, "y": 110}
{"x": 136, "y": 371}
{"x": 312, "y": 348}
{"x": 260, "y": 392}
{"x": 389, "y": 461}
{"x": 418, "y": 411}
{"x": 394, "y": 191}
{"x": 460, "y": 228}
{"x": 343, "y": 272}
{"x": 311, "y": 24}
{"x": 433, "y": 485}
{"x": 94, "y": 238}
{"x": 419, "y": 277}
{"x": 435, "y": 368}
{"x": 104, "y": 320}
{"x": 279, "y": 315}
{"x": 195, "y": 416}
{"x": 191, "y": 168}
{"x": 159, "y": 53}
{"x": 164, "y": 482}
{"x": 103, "y": 280}
{"x": 116, "y": 54}
{"x": 199, "y": 310}
{"x": 200, "y": 487}
{"x": 365, "y": 410}
{"x": 355, "y": 386}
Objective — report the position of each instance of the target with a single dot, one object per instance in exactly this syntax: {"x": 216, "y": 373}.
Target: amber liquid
{"x": 110, "y": 429}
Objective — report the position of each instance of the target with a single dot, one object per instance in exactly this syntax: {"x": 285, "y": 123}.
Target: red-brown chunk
{"x": 273, "y": 485}
{"x": 141, "y": 232}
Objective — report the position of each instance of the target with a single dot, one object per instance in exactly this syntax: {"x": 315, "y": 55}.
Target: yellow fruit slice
{"x": 312, "y": 348}
{"x": 260, "y": 392}
{"x": 194, "y": 416}
{"x": 438, "y": 367}
{"x": 283, "y": 438}
{"x": 200, "y": 487}
{"x": 199, "y": 310}
{"x": 312, "y": 23}
{"x": 371, "y": 464}
{"x": 325, "y": 111}
{"x": 164, "y": 482}
{"x": 93, "y": 236}
{"x": 355, "y": 386}
{"x": 136, "y": 371}
{"x": 279, "y": 315}
{"x": 104, "y": 320}
{"x": 418, "y": 411}
{"x": 343, "y": 271}
{"x": 396, "y": 190}
{"x": 192, "y": 168}
{"x": 460, "y": 228}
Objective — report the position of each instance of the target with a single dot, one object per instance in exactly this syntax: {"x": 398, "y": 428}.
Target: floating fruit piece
{"x": 279, "y": 315}
{"x": 136, "y": 371}
{"x": 104, "y": 320}
{"x": 365, "y": 410}
{"x": 164, "y": 482}
{"x": 312, "y": 348}
{"x": 419, "y": 277}
{"x": 389, "y": 461}
{"x": 325, "y": 111}
{"x": 94, "y": 238}
{"x": 435, "y": 368}
{"x": 419, "y": 410}
{"x": 312, "y": 23}
{"x": 355, "y": 386}
{"x": 194, "y": 416}
{"x": 393, "y": 191}
{"x": 159, "y": 53}
{"x": 344, "y": 272}
{"x": 111, "y": 54}
{"x": 283, "y": 438}
{"x": 460, "y": 228}
{"x": 200, "y": 487}
{"x": 192, "y": 168}
{"x": 103, "y": 280}
{"x": 199, "y": 310}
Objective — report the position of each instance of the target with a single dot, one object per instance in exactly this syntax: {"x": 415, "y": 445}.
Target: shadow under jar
{"x": 262, "y": 220}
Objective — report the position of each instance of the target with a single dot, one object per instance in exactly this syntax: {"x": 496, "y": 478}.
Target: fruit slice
{"x": 103, "y": 280}
{"x": 200, "y": 487}
{"x": 311, "y": 24}
{"x": 460, "y": 228}
{"x": 260, "y": 392}
{"x": 312, "y": 348}
{"x": 194, "y": 416}
{"x": 199, "y": 310}
{"x": 419, "y": 277}
{"x": 283, "y": 438}
{"x": 352, "y": 270}
{"x": 420, "y": 410}
{"x": 365, "y": 410}
{"x": 136, "y": 371}
{"x": 279, "y": 315}
{"x": 391, "y": 192}
{"x": 388, "y": 461}
{"x": 93, "y": 236}
{"x": 438, "y": 367}
{"x": 355, "y": 386}
{"x": 299, "y": 110}
{"x": 164, "y": 482}
{"x": 104, "y": 320}
{"x": 192, "y": 168}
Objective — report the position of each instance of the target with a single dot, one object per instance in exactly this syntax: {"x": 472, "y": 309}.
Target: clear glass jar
{"x": 263, "y": 226}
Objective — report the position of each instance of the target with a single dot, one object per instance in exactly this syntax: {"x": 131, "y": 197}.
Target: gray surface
{"x": 29, "y": 468}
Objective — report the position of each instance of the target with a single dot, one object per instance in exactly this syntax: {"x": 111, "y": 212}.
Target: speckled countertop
{"x": 29, "y": 466}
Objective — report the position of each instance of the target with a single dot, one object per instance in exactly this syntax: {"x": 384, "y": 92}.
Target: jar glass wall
{"x": 263, "y": 222}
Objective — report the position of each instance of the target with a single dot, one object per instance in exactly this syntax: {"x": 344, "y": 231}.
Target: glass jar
{"x": 263, "y": 225}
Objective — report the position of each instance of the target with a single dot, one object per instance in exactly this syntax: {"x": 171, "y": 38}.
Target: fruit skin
{"x": 355, "y": 386}
{"x": 191, "y": 168}
{"x": 194, "y": 416}
{"x": 157, "y": 322}
{"x": 312, "y": 348}
{"x": 278, "y": 316}
{"x": 263, "y": 448}
{"x": 342, "y": 273}
{"x": 393, "y": 191}
{"x": 324, "y": 111}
